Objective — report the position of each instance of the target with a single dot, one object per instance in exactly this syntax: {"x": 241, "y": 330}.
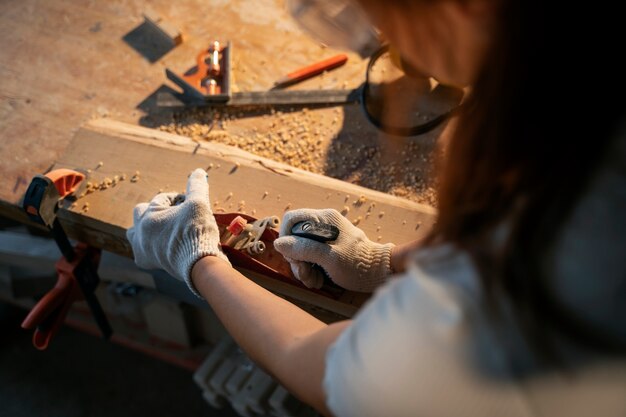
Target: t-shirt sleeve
{"x": 406, "y": 354}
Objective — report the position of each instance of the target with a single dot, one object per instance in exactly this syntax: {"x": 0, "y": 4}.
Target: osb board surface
{"x": 64, "y": 61}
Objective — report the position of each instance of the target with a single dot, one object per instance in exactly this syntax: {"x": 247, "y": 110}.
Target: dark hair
{"x": 528, "y": 139}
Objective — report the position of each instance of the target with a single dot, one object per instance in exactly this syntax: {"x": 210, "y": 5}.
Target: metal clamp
{"x": 241, "y": 235}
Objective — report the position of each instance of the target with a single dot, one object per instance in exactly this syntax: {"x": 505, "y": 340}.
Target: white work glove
{"x": 174, "y": 230}
{"x": 352, "y": 261}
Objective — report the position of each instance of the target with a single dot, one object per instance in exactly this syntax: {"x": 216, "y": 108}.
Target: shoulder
{"x": 412, "y": 345}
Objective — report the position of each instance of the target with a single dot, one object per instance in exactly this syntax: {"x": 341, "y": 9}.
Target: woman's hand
{"x": 352, "y": 261}
{"x": 174, "y": 231}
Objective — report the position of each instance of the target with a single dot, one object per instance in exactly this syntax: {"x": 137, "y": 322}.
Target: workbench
{"x": 65, "y": 63}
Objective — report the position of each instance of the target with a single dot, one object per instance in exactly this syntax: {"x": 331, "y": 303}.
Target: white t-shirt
{"x": 423, "y": 345}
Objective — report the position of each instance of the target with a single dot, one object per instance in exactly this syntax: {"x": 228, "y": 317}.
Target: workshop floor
{"x": 81, "y": 375}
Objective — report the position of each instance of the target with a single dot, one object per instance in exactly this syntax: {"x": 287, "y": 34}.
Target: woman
{"x": 515, "y": 303}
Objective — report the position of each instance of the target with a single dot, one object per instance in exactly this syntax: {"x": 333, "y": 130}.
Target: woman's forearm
{"x": 286, "y": 341}
{"x": 261, "y": 322}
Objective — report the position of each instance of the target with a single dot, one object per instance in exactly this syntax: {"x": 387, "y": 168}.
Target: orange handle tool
{"x": 311, "y": 70}
{"x": 49, "y": 313}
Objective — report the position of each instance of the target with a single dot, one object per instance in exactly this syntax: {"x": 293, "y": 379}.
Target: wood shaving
{"x": 322, "y": 141}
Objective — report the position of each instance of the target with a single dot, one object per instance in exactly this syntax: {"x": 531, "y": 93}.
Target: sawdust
{"x": 321, "y": 141}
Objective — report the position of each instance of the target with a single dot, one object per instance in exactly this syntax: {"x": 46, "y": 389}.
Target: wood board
{"x": 164, "y": 160}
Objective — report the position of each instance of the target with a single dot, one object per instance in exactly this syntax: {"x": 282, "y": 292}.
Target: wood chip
{"x": 309, "y": 140}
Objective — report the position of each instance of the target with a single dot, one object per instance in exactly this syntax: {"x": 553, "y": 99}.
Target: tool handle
{"x": 320, "y": 232}
{"x": 43, "y": 334}
{"x": 312, "y": 70}
{"x": 66, "y": 181}
{"x": 49, "y": 313}
{"x": 49, "y": 303}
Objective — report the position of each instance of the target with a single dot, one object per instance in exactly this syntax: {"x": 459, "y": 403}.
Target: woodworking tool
{"x": 440, "y": 103}
{"x": 76, "y": 269}
{"x": 447, "y": 100}
{"x": 343, "y": 24}
{"x": 209, "y": 80}
{"x": 208, "y": 84}
{"x": 248, "y": 243}
{"x": 241, "y": 235}
{"x": 311, "y": 71}
{"x": 320, "y": 232}
{"x": 264, "y": 98}
{"x": 242, "y": 248}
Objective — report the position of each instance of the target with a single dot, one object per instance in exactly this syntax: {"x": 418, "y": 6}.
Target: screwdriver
{"x": 311, "y": 71}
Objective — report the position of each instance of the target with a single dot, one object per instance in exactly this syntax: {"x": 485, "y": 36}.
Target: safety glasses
{"x": 394, "y": 98}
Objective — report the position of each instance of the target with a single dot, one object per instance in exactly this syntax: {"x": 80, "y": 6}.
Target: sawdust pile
{"x": 336, "y": 142}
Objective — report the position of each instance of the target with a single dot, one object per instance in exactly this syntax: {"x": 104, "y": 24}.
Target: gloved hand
{"x": 174, "y": 231}
{"x": 352, "y": 261}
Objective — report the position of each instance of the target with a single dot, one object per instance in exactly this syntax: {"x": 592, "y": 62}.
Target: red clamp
{"x": 77, "y": 268}
{"x": 49, "y": 313}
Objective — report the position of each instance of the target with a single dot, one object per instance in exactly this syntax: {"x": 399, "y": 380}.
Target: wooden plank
{"x": 164, "y": 160}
